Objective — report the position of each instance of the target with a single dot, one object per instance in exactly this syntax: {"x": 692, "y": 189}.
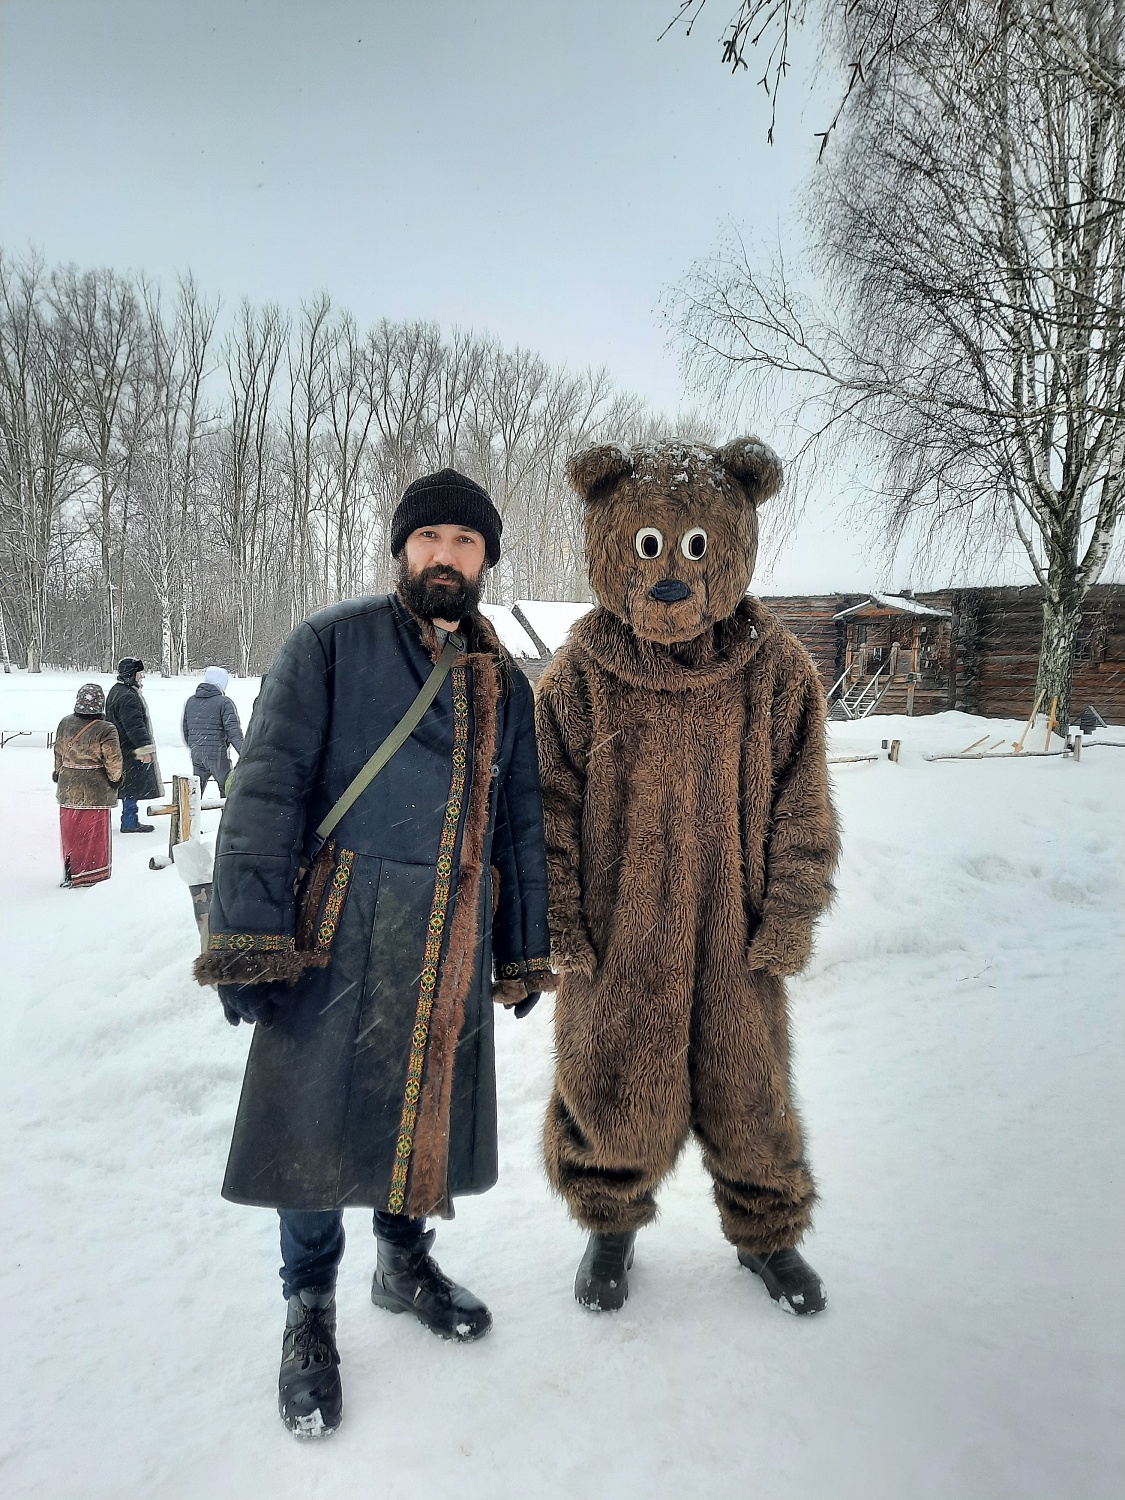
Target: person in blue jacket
{"x": 371, "y": 1075}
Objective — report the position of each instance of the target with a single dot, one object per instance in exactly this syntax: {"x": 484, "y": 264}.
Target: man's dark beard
{"x": 430, "y": 600}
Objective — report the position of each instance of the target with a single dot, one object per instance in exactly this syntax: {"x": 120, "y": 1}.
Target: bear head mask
{"x": 672, "y": 530}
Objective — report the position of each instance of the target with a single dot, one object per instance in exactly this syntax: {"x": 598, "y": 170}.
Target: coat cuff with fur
{"x": 509, "y": 992}
{"x": 230, "y": 965}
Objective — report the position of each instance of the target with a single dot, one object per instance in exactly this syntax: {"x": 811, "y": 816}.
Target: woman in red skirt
{"x": 88, "y": 770}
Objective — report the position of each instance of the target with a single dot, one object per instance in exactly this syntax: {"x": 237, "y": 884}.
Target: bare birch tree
{"x": 404, "y": 362}
{"x": 309, "y": 395}
{"x": 165, "y": 468}
{"x": 971, "y": 226}
{"x": 868, "y": 43}
{"x": 350, "y": 407}
{"x": 107, "y": 332}
{"x": 460, "y": 377}
{"x": 39, "y": 470}
{"x": 253, "y": 353}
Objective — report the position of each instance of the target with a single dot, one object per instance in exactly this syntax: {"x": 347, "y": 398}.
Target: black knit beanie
{"x": 447, "y": 499}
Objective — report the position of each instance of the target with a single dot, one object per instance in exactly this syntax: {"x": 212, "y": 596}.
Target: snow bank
{"x": 957, "y": 1041}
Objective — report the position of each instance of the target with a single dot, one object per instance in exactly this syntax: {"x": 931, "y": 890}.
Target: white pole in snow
{"x": 4, "y": 642}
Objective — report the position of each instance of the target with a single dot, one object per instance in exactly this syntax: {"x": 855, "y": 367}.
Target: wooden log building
{"x": 970, "y": 649}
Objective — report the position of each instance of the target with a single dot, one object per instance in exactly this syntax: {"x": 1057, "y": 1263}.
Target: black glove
{"x": 525, "y": 1006}
{"x": 253, "y": 1002}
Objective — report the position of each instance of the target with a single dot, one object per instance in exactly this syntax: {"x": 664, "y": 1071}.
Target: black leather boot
{"x": 603, "y": 1275}
{"x": 407, "y": 1279}
{"x": 789, "y": 1279}
{"x": 309, "y": 1394}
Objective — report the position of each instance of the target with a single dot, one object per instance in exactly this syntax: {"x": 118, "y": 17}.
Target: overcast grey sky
{"x": 539, "y": 172}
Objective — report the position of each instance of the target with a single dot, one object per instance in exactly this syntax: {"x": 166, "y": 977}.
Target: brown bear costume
{"x": 691, "y": 843}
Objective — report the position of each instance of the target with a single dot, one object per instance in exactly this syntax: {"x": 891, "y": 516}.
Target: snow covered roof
{"x": 551, "y": 621}
{"x": 511, "y": 632}
{"x": 897, "y": 602}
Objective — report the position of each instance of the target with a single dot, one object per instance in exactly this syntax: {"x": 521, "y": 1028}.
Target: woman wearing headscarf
{"x": 88, "y": 772}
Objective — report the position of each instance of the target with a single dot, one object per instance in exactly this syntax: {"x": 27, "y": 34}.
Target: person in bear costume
{"x": 691, "y": 843}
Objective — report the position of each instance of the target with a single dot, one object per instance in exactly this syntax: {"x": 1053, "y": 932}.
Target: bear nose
{"x": 669, "y": 591}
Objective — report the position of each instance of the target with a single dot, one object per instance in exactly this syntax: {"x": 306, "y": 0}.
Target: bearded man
{"x": 371, "y": 1076}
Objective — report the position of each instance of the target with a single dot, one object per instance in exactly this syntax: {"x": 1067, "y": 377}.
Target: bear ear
{"x": 598, "y": 468}
{"x": 755, "y": 465}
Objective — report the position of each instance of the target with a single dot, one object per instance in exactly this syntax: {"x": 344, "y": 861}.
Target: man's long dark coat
{"x": 376, "y": 1084}
{"x": 127, "y": 711}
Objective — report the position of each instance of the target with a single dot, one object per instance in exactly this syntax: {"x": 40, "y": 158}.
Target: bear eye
{"x": 650, "y": 542}
{"x": 694, "y": 544}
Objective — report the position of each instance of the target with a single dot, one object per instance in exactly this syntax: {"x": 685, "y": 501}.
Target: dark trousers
{"x": 312, "y": 1244}
{"x": 215, "y": 763}
{"x": 129, "y": 817}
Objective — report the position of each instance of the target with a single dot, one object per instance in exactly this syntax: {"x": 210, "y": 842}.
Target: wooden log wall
{"x": 994, "y": 655}
{"x": 809, "y": 617}
{"x": 990, "y": 663}
{"x": 999, "y": 649}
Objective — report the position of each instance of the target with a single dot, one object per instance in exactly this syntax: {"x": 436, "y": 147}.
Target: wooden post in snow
{"x": 1018, "y": 744}
{"x": 1051, "y": 722}
{"x": 178, "y": 812}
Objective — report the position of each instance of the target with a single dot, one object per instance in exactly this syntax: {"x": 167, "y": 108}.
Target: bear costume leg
{"x": 620, "y": 1112}
{"x": 609, "y": 1184}
{"x": 624, "y": 1103}
{"x": 744, "y": 1118}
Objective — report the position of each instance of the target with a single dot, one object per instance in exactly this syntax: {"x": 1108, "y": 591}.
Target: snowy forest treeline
{"x": 186, "y": 486}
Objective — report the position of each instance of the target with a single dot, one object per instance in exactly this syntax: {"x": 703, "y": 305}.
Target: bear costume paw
{"x": 781, "y": 948}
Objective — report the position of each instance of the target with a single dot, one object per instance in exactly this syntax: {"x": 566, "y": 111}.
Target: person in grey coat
{"x": 211, "y": 729}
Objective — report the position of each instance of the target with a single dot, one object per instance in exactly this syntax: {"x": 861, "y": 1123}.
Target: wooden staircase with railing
{"x": 858, "y": 699}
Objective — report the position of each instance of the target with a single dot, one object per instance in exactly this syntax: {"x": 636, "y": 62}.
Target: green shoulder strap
{"x": 397, "y": 737}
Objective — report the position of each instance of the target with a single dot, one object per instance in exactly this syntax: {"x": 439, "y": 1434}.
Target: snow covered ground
{"x": 958, "y": 1052}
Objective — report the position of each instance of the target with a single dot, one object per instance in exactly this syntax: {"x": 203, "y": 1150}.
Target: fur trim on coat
{"x": 508, "y": 992}
{"x": 285, "y": 966}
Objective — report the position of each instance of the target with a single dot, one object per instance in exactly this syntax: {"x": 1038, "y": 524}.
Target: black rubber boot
{"x": 137, "y": 827}
{"x": 789, "y": 1279}
{"x": 603, "y": 1275}
{"x": 407, "y": 1279}
{"x": 309, "y": 1394}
